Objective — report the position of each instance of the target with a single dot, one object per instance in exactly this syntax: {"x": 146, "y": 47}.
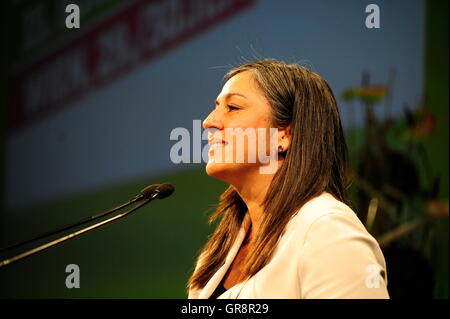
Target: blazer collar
{"x": 212, "y": 284}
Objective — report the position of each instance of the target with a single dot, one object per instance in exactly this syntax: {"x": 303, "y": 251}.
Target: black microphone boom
{"x": 149, "y": 193}
{"x": 144, "y": 193}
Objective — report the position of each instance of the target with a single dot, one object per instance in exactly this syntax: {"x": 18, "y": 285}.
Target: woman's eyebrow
{"x": 228, "y": 95}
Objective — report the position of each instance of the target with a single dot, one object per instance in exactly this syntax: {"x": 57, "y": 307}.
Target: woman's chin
{"x": 221, "y": 171}
{"x": 231, "y": 173}
{"x": 214, "y": 169}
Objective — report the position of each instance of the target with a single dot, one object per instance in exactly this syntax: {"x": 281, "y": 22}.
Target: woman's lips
{"x": 214, "y": 144}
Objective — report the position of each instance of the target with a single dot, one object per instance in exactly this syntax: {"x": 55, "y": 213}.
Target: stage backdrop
{"x": 89, "y": 113}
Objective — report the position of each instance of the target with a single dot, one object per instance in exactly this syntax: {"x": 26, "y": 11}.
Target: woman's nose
{"x": 213, "y": 121}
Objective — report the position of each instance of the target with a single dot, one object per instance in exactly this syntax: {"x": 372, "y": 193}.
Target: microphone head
{"x": 149, "y": 190}
{"x": 164, "y": 190}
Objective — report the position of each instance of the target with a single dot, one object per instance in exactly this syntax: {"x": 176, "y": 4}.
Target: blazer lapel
{"x": 218, "y": 276}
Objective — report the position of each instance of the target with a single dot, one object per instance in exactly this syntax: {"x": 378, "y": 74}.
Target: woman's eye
{"x": 233, "y": 108}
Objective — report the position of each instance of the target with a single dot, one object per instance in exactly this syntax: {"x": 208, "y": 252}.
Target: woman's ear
{"x": 284, "y": 138}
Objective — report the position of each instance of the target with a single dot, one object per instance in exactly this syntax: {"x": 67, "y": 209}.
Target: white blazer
{"x": 325, "y": 252}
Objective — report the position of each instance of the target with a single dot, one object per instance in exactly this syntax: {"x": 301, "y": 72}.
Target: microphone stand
{"x": 83, "y": 221}
{"x": 77, "y": 233}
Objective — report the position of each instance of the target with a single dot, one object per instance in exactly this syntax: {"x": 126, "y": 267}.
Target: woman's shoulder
{"x": 321, "y": 205}
{"x": 327, "y": 211}
{"x": 335, "y": 252}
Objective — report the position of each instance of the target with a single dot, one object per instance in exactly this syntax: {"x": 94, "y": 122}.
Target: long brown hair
{"x": 316, "y": 161}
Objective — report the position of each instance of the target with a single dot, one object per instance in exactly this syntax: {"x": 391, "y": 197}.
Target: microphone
{"x": 144, "y": 193}
{"x": 149, "y": 193}
{"x": 163, "y": 191}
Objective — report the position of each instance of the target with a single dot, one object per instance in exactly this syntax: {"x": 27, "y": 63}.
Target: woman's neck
{"x": 253, "y": 191}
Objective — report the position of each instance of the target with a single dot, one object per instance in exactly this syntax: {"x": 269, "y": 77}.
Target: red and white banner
{"x": 142, "y": 31}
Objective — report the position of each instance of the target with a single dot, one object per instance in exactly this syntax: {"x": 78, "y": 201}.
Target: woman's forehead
{"x": 243, "y": 84}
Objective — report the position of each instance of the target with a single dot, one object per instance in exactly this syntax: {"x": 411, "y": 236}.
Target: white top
{"x": 325, "y": 252}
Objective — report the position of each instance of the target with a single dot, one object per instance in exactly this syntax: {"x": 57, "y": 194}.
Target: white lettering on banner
{"x": 115, "y": 51}
{"x": 151, "y": 33}
{"x": 63, "y": 76}
{"x": 114, "y": 47}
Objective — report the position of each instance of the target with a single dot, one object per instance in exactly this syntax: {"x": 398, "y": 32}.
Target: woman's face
{"x": 233, "y": 135}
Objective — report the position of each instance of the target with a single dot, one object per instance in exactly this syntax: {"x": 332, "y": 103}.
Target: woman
{"x": 287, "y": 233}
